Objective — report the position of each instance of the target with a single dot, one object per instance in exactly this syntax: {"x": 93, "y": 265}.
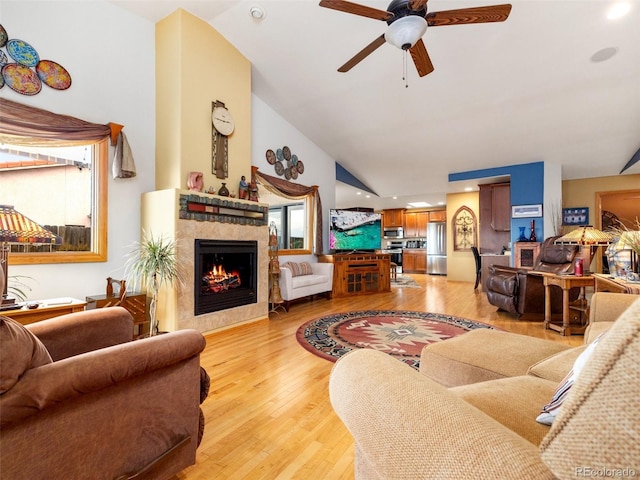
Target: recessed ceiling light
{"x": 395, "y": 198}
{"x": 257, "y": 12}
{"x": 604, "y": 54}
{"x": 440, "y": 203}
{"x": 358, "y": 193}
{"x": 618, "y": 10}
{"x": 368, "y": 196}
{"x": 468, "y": 189}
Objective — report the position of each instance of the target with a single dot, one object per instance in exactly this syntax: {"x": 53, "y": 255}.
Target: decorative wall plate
{"x": 300, "y": 166}
{"x": 3, "y": 36}
{"x": 271, "y": 156}
{"x": 279, "y": 168}
{"x": 21, "y": 79}
{"x": 286, "y": 151}
{"x": 279, "y": 154}
{"x": 287, "y": 173}
{"x": 294, "y": 172}
{"x": 53, "y": 74}
{"x": 294, "y": 160}
{"x": 1, "y": 81}
{"x": 22, "y": 52}
{"x": 3, "y": 59}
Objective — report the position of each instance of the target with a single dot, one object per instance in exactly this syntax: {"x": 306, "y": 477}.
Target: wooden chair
{"x": 394, "y": 270}
{"x": 476, "y": 256}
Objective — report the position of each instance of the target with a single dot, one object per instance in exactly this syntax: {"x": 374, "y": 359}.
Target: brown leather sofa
{"x": 522, "y": 291}
{"x": 79, "y": 399}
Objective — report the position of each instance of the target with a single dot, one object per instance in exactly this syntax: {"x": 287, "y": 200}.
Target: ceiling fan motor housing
{"x": 400, "y": 9}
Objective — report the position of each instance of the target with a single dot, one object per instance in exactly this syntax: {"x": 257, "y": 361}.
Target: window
{"x": 295, "y": 209}
{"x": 64, "y": 189}
{"x": 291, "y": 223}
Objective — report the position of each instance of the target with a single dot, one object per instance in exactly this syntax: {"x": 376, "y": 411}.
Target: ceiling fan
{"x": 408, "y": 21}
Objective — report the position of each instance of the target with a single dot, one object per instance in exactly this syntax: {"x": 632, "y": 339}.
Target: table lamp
{"x": 16, "y": 228}
{"x": 589, "y": 239}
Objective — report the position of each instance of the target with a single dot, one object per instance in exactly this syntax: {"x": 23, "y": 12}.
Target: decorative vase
{"x": 532, "y": 237}
{"x": 522, "y": 238}
{"x": 223, "y": 191}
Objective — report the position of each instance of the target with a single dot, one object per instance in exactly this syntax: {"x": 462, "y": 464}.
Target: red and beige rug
{"x": 401, "y": 334}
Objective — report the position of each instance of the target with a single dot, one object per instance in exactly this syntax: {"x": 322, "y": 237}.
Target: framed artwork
{"x": 465, "y": 229}
{"x": 526, "y": 211}
{"x": 575, "y": 216}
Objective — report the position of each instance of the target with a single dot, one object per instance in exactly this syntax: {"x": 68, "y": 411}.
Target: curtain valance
{"x": 25, "y": 125}
{"x": 295, "y": 191}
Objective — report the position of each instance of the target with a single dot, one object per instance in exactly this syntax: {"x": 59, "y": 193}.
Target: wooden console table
{"x": 578, "y": 308}
{"x": 52, "y": 307}
{"x": 361, "y": 273}
{"x": 607, "y": 283}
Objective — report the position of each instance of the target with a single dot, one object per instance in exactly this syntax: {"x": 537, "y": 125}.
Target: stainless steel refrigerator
{"x": 437, "y": 248}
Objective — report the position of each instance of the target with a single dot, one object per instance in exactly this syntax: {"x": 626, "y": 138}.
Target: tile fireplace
{"x": 217, "y": 222}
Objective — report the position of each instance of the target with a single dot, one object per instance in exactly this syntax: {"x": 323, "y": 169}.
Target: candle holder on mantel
{"x": 275, "y": 297}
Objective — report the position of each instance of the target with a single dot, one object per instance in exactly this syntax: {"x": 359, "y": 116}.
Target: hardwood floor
{"x": 268, "y": 414}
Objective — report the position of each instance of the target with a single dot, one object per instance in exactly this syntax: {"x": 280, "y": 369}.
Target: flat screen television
{"x": 353, "y": 231}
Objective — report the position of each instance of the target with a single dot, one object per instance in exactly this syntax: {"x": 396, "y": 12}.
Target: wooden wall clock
{"x": 222, "y": 126}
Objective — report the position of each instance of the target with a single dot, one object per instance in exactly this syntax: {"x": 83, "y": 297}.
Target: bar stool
{"x": 394, "y": 271}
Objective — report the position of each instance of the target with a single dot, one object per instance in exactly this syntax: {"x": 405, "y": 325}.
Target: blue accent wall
{"x": 527, "y": 188}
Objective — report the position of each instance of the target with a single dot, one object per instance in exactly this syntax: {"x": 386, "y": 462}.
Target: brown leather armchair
{"x": 80, "y": 399}
{"x": 522, "y": 291}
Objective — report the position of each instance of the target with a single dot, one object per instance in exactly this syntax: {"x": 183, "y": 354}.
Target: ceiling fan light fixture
{"x": 406, "y": 31}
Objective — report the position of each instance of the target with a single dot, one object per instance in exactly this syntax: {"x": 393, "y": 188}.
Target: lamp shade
{"x": 406, "y": 31}
{"x": 16, "y": 228}
{"x": 586, "y": 235}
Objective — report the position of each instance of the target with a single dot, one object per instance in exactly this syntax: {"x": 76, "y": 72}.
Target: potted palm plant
{"x": 151, "y": 263}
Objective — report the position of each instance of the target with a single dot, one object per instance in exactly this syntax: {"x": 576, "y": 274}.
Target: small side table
{"x": 566, "y": 283}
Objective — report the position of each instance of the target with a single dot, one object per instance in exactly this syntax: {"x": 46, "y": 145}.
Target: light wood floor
{"x": 268, "y": 414}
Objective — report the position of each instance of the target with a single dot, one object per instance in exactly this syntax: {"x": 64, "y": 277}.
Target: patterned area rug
{"x": 404, "y": 282}
{"x": 401, "y": 334}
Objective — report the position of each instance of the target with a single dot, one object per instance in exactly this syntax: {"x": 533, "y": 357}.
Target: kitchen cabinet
{"x": 438, "y": 216}
{"x": 494, "y": 215}
{"x": 415, "y": 224}
{"x": 501, "y": 207}
{"x": 414, "y": 261}
{"x": 393, "y": 217}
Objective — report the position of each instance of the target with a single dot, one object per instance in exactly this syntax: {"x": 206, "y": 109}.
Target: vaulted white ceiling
{"x": 525, "y": 90}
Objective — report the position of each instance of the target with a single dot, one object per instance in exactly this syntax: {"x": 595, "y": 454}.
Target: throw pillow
{"x": 20, "y": 350}
{"x": 550, "y": 410}
{"x": 297, "y": 269}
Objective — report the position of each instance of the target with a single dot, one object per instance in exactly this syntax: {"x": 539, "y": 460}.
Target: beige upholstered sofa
{"x": 298, "y": 281}
{"x": 80, "y": 400}
{"x": 409, "y": 426}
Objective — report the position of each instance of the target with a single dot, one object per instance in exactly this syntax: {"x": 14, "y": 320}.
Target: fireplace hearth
{"x": 225, "y": 274}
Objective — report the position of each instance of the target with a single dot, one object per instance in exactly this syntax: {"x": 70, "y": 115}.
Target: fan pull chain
{"x": 404, "y": 68}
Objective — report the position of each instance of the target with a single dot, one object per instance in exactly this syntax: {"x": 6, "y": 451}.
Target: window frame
{"x": 99, "y": 217}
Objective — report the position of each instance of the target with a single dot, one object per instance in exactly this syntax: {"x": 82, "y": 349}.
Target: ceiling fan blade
{"x": 421, "y": 58}
{"x": 493, "y": 13}
{"x": 356, "y": 9}
{"x": 362, "y": 54}
{"x": 417, "y": 4}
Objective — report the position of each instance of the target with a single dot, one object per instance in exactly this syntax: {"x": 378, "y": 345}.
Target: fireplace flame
{"x": 218, "y": 279}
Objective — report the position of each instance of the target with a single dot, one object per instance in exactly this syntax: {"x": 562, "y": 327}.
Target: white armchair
{"x": 292, "y": 286}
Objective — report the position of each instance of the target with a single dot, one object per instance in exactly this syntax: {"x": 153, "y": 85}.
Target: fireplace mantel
{"x": 165, "y": 212}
